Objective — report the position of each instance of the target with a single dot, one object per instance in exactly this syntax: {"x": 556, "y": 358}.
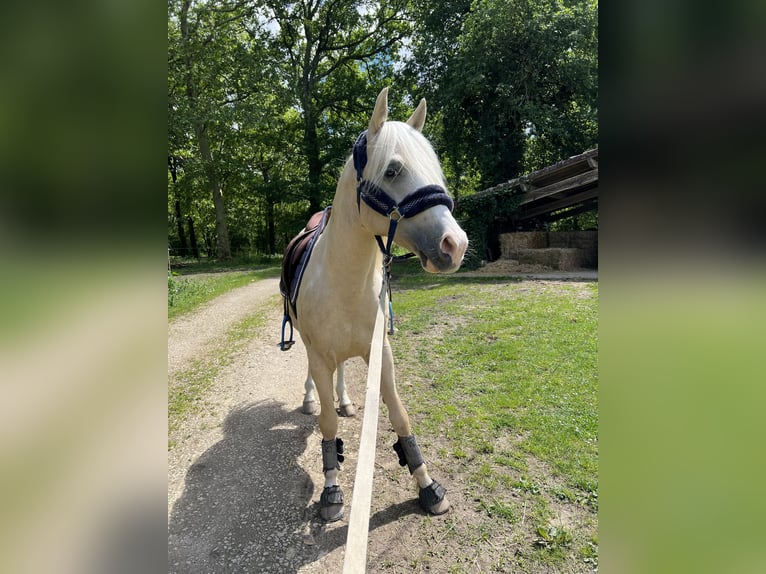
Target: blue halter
{"x": 379, "y": 201}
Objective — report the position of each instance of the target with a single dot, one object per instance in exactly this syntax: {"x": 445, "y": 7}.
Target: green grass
{"x": 502, "y": 385}
{"x": 189, "y": 292}
{"x": 190, "y": 266}
{"x": 499, "y": 377}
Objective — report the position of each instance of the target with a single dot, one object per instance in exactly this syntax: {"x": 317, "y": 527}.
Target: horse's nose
{"x": 454, "y": 246}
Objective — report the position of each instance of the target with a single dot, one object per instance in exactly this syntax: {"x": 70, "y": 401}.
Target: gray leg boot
{"x": 432, "y": 497}
{"x": 331, "y": 500}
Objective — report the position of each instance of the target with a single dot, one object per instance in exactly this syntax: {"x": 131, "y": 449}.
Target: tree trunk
{"x": 311, "y": 140}
{"x": 193, "y": 238}
{"x": 181, "y": 233}
{"x": 223, "y": 249}
{"x": 271, "y": 233}
{"x": 270, "y": 201}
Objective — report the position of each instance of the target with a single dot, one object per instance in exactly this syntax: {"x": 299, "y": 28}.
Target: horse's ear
{"x": 418, "y": 117}
{"x": 379, "y": 114}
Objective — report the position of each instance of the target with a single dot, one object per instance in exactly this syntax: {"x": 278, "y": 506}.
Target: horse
{"x": 391, "y": 186}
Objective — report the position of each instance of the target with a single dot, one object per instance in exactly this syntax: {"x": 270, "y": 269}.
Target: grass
{"x": 189, "y": 292}
{"x": 190, "y": 266}
{"x": 499, "y": 377}
{"x": 501, "y": 384}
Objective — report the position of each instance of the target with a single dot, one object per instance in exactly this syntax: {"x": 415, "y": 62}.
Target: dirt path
{"x": 245, "y": 469}
{"x": 244, "y": 474}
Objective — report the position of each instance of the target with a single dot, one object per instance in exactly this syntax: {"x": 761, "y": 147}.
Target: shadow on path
{"x": 247, "y": 503}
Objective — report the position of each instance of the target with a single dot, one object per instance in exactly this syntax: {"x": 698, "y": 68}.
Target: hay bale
{"x": 511, "y": 242}
{"x": 563, "y": 259}
{"x": 586, "y": 241}
{"x": 576, "y": 239}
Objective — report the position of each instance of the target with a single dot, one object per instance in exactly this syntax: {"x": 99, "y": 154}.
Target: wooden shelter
{"x": 560, "y": 190}
{"x": 564, "y": 189}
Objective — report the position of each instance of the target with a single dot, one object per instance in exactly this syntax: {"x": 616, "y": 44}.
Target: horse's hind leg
{"x": 309, "y": 403}
{"x": 346, "y": 406}
{"x": 331, "y": 500}
{"x": 432, "y": 496}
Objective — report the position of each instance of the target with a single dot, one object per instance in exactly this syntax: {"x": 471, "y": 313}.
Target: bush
{"x": 477, "y": 212}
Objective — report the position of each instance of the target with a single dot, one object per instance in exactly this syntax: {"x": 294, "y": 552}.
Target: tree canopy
{"x": 265, "y": 99}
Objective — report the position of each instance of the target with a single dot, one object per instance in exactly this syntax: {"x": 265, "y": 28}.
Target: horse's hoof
{"x": 348, "y": 410}
{"x": 433, "y": 499}
{"x": 331, "y": 504}
{"x": 309, "y": 407}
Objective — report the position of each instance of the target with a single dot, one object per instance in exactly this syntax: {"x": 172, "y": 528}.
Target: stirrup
{"x": 285, "y": 345}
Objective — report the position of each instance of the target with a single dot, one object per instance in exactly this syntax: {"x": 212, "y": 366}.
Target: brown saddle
{"x": 297, "y": 256}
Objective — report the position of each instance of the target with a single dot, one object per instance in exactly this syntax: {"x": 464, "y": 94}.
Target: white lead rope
{"x": 355, "y": 561}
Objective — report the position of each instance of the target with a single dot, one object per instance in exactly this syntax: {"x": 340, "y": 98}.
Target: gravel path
{"x": 245, "y": 468}
{"x": 191, "y": 336}
{"x": 244, "y": 472}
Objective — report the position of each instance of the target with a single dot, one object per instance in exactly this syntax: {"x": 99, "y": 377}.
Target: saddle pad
{"x": 297, "y": 256}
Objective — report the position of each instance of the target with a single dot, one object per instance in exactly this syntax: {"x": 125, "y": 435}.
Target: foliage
{"x": 515, "y": 80}
{"x": 335, "y": 55}
{"x": 476, "y": 213}
{"x": 180, "y": 292}
{"x": 581, "y": 221}
{"x": 552, "y": 537}
{"x": 265, "y": 99}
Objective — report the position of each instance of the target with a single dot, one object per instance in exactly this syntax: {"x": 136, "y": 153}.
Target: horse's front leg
{"x": 432, "y": 496}
{"x": 309, "y": 402}
{"x": 331, "y": 500}
{"x": 346, "y": 406}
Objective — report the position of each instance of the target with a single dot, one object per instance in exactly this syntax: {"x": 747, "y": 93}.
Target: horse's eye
{"x": 393, "y": 170}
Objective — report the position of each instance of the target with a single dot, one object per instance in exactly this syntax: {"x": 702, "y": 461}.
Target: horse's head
{"x": 399, "y": 175}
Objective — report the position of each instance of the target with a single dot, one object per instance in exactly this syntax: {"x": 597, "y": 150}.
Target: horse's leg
{"x": 331, "y": 500}
{"x": 346, "y": 406}
{"x": 309, "y": 403}
{"x": 432, "y": 496}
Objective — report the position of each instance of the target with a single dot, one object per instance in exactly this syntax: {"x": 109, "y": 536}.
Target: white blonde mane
{"x": 397, "y": 139}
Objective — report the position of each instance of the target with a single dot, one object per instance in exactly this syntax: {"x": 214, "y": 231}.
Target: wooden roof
{"x": 556, "y": 191}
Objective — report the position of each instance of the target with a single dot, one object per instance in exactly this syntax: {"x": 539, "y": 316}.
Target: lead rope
{"x": 355, "y": 560}
{"x": 387, "y": 261}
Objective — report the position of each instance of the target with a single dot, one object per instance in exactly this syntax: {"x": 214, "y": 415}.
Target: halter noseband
{"x": 379, "y": 201}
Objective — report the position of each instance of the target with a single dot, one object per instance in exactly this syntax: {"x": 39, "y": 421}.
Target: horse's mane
{"x": 409, "y": 146}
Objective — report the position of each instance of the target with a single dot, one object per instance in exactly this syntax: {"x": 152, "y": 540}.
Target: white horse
{"x": 393, "y": 187}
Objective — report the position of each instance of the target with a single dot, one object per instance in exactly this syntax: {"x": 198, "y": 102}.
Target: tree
{"x": 327, "y": 46}
{"x": 265, "y": 98}
{"x": 214, "y": 69}
{"x": 514, "y": 81}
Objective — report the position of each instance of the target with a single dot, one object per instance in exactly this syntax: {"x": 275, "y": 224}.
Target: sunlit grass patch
{"x": 502, "y": 379}
{"x": 189, "y": 292}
